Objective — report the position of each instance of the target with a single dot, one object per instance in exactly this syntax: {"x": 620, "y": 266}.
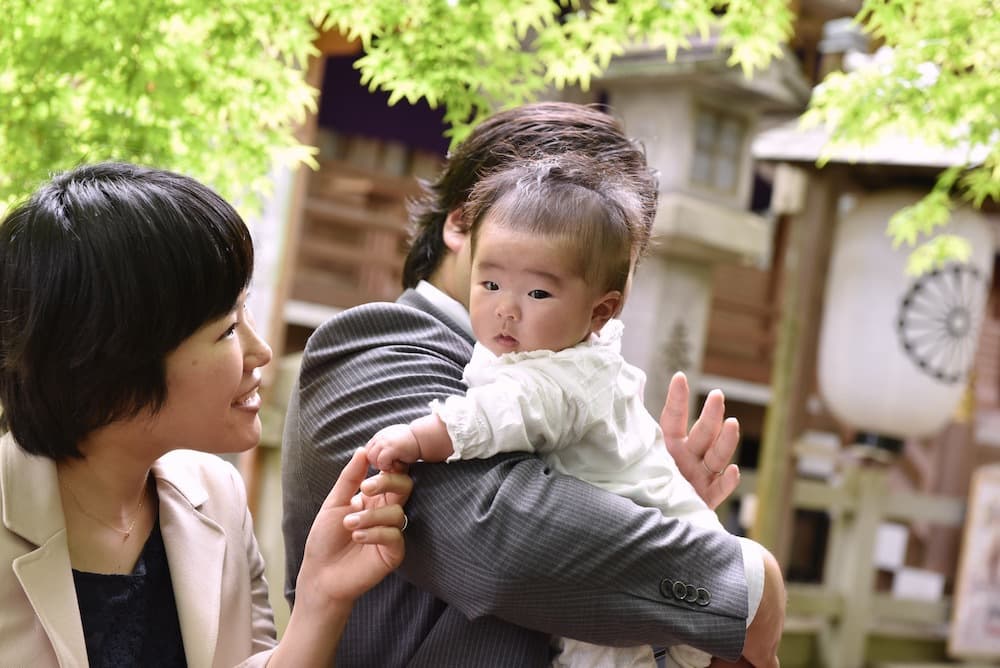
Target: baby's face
{"x": 527, "y": 294}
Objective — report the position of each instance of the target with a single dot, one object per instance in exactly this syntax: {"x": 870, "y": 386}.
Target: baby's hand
{"x": 392, "y": 448}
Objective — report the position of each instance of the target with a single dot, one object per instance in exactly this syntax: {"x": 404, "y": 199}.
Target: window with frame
{"x": 718, "y": 149}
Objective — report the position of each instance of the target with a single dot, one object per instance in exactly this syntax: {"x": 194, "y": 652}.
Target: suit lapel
{"x": 47, "y": 579}
{"x": 196, "y": 550}
{"x": 32, "y": 509}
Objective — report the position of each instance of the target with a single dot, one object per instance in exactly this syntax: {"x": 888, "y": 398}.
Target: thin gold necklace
{"x": 124, "y": 532}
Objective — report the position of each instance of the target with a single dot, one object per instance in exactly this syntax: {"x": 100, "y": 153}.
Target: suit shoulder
{"x": 381, "y": 324}
{"x": 380, "y": 316}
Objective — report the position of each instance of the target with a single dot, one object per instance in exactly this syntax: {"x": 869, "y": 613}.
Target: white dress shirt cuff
{"x": 753, "y": 565}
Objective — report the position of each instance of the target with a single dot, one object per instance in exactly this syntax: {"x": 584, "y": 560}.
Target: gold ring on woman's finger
{"x": 714, "y": 474}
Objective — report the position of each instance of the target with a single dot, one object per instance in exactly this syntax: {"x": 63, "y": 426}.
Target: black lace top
{"x": 131, "y": 620}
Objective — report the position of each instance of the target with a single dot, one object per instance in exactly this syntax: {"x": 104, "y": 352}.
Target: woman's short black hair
{"x": 104, "y": 271}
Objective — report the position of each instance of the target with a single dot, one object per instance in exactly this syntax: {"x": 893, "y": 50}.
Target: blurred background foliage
{"x": 216, "y": 89}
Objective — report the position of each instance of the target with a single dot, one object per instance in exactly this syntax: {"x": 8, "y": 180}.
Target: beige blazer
{"x": 215, "y": 565}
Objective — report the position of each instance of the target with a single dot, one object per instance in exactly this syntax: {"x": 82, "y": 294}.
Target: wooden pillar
{"x": 851, "y": 574}
{"x": 329, "y": 43}
{"x": 804, "y": 271}
{"x": 953, "y": 467}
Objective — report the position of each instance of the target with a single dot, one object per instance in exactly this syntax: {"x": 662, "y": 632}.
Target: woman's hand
{"x": 356, "y": 538}
{"x": 355, "y": 541}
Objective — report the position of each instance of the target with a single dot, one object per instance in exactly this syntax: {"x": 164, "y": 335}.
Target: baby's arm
{"x": 523, "y": 409}
{"x": 395, "y": 446}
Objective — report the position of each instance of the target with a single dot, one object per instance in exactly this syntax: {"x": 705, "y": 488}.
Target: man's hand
{"x": 703, "y": 454}
{"x": 764, "y": 633}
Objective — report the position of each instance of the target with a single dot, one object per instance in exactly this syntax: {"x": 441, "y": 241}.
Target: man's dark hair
{"x": 525, "y": 132}
{"x": 103, "y": 271}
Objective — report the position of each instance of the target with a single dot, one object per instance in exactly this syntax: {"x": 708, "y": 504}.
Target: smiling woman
{"x": 212, "y": 380}
{"x": 129, "y": 261}
{"x": 127, "y": 357}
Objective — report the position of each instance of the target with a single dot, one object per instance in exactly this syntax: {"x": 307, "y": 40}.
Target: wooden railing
{"x": 354, "y": 236}
{"x": 844, "y": 614}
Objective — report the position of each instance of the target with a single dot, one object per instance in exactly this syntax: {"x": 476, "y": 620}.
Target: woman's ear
{"x": 456, "y": 232}
{"x": 606, "y": 307}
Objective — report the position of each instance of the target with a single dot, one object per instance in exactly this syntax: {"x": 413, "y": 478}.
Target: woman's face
{"x": 213, "y": 378}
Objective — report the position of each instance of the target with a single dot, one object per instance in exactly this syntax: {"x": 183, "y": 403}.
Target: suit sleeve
{"x": 503, "y": 536}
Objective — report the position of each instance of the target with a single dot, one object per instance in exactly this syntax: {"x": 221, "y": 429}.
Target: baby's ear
{"x": 606, "y": 307}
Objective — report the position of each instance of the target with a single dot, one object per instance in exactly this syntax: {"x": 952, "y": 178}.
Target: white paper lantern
{"x": 895, "y": 350}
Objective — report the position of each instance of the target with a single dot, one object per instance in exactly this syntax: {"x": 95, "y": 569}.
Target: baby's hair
{"x": 568, "y": 197}
{"x": 506, "y": 138}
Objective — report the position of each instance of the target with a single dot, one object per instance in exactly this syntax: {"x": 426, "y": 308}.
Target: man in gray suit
{"x": 502, "y": 553}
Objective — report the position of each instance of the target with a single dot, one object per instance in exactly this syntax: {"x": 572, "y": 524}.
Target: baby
{"x": 553, "y": 245}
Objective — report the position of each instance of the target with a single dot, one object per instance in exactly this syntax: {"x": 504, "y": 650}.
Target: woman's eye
{"x": 491, "y": 286}
{"x": 229, "y": 332}
{"x": 539, "y": 294}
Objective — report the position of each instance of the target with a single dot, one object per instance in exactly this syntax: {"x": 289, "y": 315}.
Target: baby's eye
{"x": 539, "y": 294}
{"x": 491, "y": 286}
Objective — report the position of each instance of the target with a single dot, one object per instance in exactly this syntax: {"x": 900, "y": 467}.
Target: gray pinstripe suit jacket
{"x": 494, "y": 547}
